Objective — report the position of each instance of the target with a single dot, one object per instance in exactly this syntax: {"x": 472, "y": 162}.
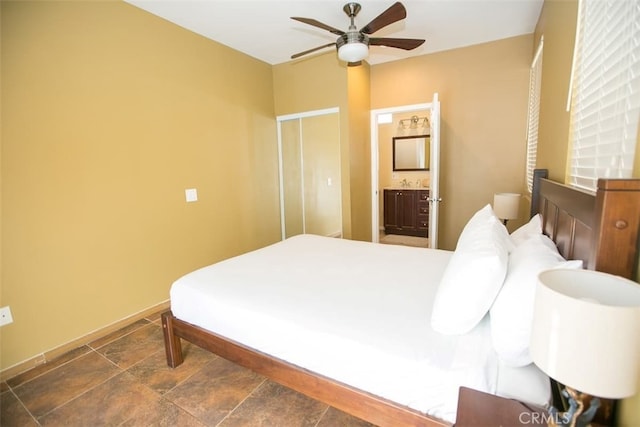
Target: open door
{"x": 434, "y": 190}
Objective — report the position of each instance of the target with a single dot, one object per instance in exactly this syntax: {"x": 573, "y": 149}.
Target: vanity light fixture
{"x": 414, "y": 122}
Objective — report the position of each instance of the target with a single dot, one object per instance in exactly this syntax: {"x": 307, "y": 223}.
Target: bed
{"x": 347, "y": 314}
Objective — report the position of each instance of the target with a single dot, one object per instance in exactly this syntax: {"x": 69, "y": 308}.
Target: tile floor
{"x": 397, "y": 239}
{"x": 123, "y": 379}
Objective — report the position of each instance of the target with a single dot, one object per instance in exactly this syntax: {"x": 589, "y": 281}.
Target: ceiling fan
{"x": 353, "y": 44}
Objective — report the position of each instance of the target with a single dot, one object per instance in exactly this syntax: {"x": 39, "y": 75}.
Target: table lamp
{"x": 506, "y": 206}
{"x": 586, "y": 336}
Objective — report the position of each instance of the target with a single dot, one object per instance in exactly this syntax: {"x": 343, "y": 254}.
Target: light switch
{"x": 329, "y": 182}
{"x": 191, "y": 194}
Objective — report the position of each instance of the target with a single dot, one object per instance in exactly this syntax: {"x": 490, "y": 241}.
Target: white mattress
{"x": 354, "y": 311}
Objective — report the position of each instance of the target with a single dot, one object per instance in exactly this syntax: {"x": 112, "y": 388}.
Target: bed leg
{"x": 172, "y": 343}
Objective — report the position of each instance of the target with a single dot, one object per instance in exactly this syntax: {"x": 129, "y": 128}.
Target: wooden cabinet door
{"x": 404, "y": 212}
{"x": 407, "y": 212}
{"x": 391, "y": 220}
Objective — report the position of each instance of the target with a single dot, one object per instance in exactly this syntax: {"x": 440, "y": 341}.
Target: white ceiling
{"x": 263, "y": 29}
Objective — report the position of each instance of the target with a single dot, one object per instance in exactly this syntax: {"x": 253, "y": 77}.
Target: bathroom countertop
{"x": 405, "y": 188}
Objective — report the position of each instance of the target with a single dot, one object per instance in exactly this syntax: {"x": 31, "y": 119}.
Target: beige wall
{"x": 483, "y": 95}
{"x": 321, "y": 160}
{"x": 359, "y": 104}
{"x": 108, "y": 115}
{"x": 557, "y": 24}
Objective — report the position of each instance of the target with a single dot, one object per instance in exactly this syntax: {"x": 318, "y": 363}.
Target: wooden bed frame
{"x": 601, "y": 229}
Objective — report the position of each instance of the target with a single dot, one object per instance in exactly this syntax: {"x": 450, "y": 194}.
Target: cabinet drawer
{"x": 423, "y": 221}
{"x": 423, "y": 210}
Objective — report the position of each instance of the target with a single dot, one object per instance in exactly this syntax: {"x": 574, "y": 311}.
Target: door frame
{"x": 375, "y": 165}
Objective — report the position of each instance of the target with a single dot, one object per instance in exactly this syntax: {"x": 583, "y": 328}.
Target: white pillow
{"x": 473, "y": 276}
{"x": 531, "y": 228}
{"x": 512, "y": 312}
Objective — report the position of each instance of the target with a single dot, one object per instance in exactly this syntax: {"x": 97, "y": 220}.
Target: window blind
{"x": 535, "y": 79}
{"x": 605, "y": 94}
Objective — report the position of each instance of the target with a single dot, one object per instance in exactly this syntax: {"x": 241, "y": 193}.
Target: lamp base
{"x": 576, "y": 416}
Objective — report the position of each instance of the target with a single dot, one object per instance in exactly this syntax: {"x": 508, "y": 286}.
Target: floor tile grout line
{"x": 23, "y": 405}
{"x": 179, "y": 383}
{"x": 180, "y": 408}
{"x": 121, "y": 371}
{"x": 121, "y": 336}
{"x": 323, "y": 414}
{"x": 88, "y": 345}
{"x": 90, "y": 349}
{"x": 129, "y": 370}
{"x": 48, "y": 370}
{"x": 243, "y": 400}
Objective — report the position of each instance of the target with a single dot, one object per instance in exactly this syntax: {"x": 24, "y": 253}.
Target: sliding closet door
{"x": 310, "y": 174}
{"x": 292, "y": 180}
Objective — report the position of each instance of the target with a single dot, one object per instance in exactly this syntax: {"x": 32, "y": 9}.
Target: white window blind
{"x": 605, "y": 93}
{"x": 535, "y": 79}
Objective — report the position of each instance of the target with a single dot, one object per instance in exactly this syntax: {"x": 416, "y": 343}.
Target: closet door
{"x": 311, "y": 197}
{"x": 291, "y": 178}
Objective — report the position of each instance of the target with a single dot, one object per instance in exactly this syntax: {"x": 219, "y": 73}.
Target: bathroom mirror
{"x": 411, "y": 153}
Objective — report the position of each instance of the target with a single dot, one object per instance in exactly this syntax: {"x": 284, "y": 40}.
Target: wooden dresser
{"x": 406, "y": 211}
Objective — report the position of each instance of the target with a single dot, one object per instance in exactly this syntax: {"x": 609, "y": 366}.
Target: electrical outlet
{"x": 5, "y": 316}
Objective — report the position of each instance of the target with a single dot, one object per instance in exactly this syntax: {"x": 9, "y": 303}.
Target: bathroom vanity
{"x": 406, "y": 211}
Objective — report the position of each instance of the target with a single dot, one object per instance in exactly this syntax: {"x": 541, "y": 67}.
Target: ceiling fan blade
{"x": 395, "y": 13}
{"x": 298, "y": 55}
{"x": 406, "y": 44}
{"x": 318, "y": 24}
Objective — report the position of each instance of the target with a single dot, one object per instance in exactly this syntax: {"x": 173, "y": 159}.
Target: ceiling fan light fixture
{"x": 353, "y": 45}
{"x": 353, "y": 52}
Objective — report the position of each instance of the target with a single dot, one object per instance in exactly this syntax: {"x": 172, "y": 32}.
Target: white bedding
{"x": 354, "y": 311}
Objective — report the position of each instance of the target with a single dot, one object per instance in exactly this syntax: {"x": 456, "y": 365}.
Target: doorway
{"x": 391, "y": 118}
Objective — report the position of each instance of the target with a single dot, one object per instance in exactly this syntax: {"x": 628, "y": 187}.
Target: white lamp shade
{"x": 353, "y": 52}
{"x": 586, "y": 331}
{"x": 506, "y": 205}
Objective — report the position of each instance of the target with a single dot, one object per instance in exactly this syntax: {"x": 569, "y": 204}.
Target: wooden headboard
{"x": 599, "y": 228}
